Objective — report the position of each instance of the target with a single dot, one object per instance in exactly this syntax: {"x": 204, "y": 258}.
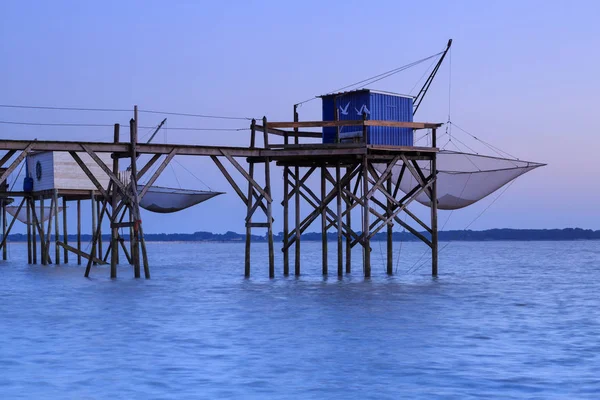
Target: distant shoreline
{"x": 520, "y": 235}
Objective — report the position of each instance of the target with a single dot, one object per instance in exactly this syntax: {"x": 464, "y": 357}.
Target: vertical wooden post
{"x": 78, "y": 232}
{"x": 349, "y": 225}
{"x": 99, "y": 207}
{"x": 286, "y": 220}
{"x": 323, "y": 220}
{"x": 269, "y": 203}
{"x": 65, "y": 232}
{"x": 249, "y": 205}
{"x": 94, "y": 216}
{"x": 29, "y": 255}
{"x": 4, "y": 248}
{"x": 297, "y": 202}
{"x": 56, "y": 229}
{"x": 114, "y": 231}
{"x": 135, "y": 207}
{"x": 35, "y": 231}
{"x": 390, "y": 230}
{"x": 42, "y": 239}
{"x": 365, "y": 209}
{"x": 49, "y": 231}
{"x": 340, "y": 249}
{"x": 365, "y": 130}
{"x": 434, "y": 208}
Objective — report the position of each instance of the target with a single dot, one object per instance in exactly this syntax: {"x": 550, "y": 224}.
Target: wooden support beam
{"x": 48, "y": 232}
{"x": 95, "y": 239}
{"x": 65, "y": 233}
{"x": 7, "y": 157}
{"x": 348, "y": 203}
{"x": 319, "y": 124}
{"x": 149, "y": 165}
{"x": 269, "y": 205}
{"x": 247, "y": 176}
{"x": 413, "y": 231}
{"x": 56, "y": 228}
{"x": 286, "y": 222}
{"x": 12, "y": 222}
{"x": 390, "y": 230}
{"x": 157, "y": 173}
{"x": 365, "y": 214}
{"x": 229, "y": 179}
{"x": 112, "y": 176}
{"x": 323, "y": 222}
{"x": 340, "y": 259}
{"x": 89, "y": 174}
{"x": 16, "y": 162}
{"x": 78, "y": 232}
{"x": 434, "y": 211}
{"x": 250, "y": 198}
{"x": 81, "y": 253}
{"x": 29, "y": 239}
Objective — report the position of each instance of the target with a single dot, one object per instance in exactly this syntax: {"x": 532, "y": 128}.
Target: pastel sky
{"x": 524, "y": 76}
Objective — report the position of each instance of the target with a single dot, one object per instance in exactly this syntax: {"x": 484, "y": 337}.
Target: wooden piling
{"x": 434, "y": 209}
{"x": 94, "y": 216}
{"x": 365, "y": 212}
{"x": 286, "y": 221}
{"x": 349, "y": 225}
{"x": 65, "y": 233}
{"x": 34, "y": 229}
{"x": 78, "y": 232}
{"x": 29, "y": 241}
{"x": 249, "y": 200}
{"x": 42, "y": 239}
{"x": 114, "y": 230}
{"x": 4, "y": 248}
{"x": 269, "y": 203}
{"x": 340, "y": 250}
{"x": 323, "y": 221}
{"x": 297, "y": 202}
{"x": 390, "y": 231}
{"x": 56, "y": 229}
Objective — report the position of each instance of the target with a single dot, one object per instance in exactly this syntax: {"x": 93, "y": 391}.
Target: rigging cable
{"x": 378, "y": 77}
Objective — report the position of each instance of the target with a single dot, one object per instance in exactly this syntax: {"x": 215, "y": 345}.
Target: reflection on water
{"x": 515, "y": 320}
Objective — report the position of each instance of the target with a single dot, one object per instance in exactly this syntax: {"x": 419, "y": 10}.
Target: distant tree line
{"x": 464, "y": 235}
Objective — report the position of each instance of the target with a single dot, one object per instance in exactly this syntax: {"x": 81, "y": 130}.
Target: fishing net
{"x": 22, "y": 214}
{"x": 463, "y": 178}
{"x": 168, "y": 200}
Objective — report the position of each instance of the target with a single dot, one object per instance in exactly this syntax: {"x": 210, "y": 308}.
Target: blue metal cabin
{"x": 382, "y": 106}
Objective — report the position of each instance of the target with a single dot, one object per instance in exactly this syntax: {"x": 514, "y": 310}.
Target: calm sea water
{"x": 503, "y": 320}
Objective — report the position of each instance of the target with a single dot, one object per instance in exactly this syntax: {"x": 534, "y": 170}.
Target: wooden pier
{"x": 348, "y": 176}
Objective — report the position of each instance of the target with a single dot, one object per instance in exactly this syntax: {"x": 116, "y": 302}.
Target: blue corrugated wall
{"x": 378, "y": 106}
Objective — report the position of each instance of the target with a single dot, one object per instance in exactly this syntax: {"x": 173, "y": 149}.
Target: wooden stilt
{"x": 4, "y": 242}
{"x": 4, "y": 249}
{"x": 114, "y": 231}
{"x": 65, "y": 233}
{"x": 99, "y": 206}
{"x": 29, "y": 243}
{"x": 286, "y": 222}
{"x": 56, "y": 229}
{"x": 249, "y": 204}
{"x": 348, "y": 202}
{"x": 34, "y": 230}
{"x": 94, "y": 216}
{"x": 340, "y": 246}
{"x": 49, "y": 231}
{"x": 365, "y": 211}
{"x": 42, "y": 239}
{"x": 269, "y": 204}
{"x": 79, "y": 232}
{"x": 434, "y": 209}
{"x": 297, "y": 203}
{"x": 323, "y": 221}
{"x": 390, "y": 231}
